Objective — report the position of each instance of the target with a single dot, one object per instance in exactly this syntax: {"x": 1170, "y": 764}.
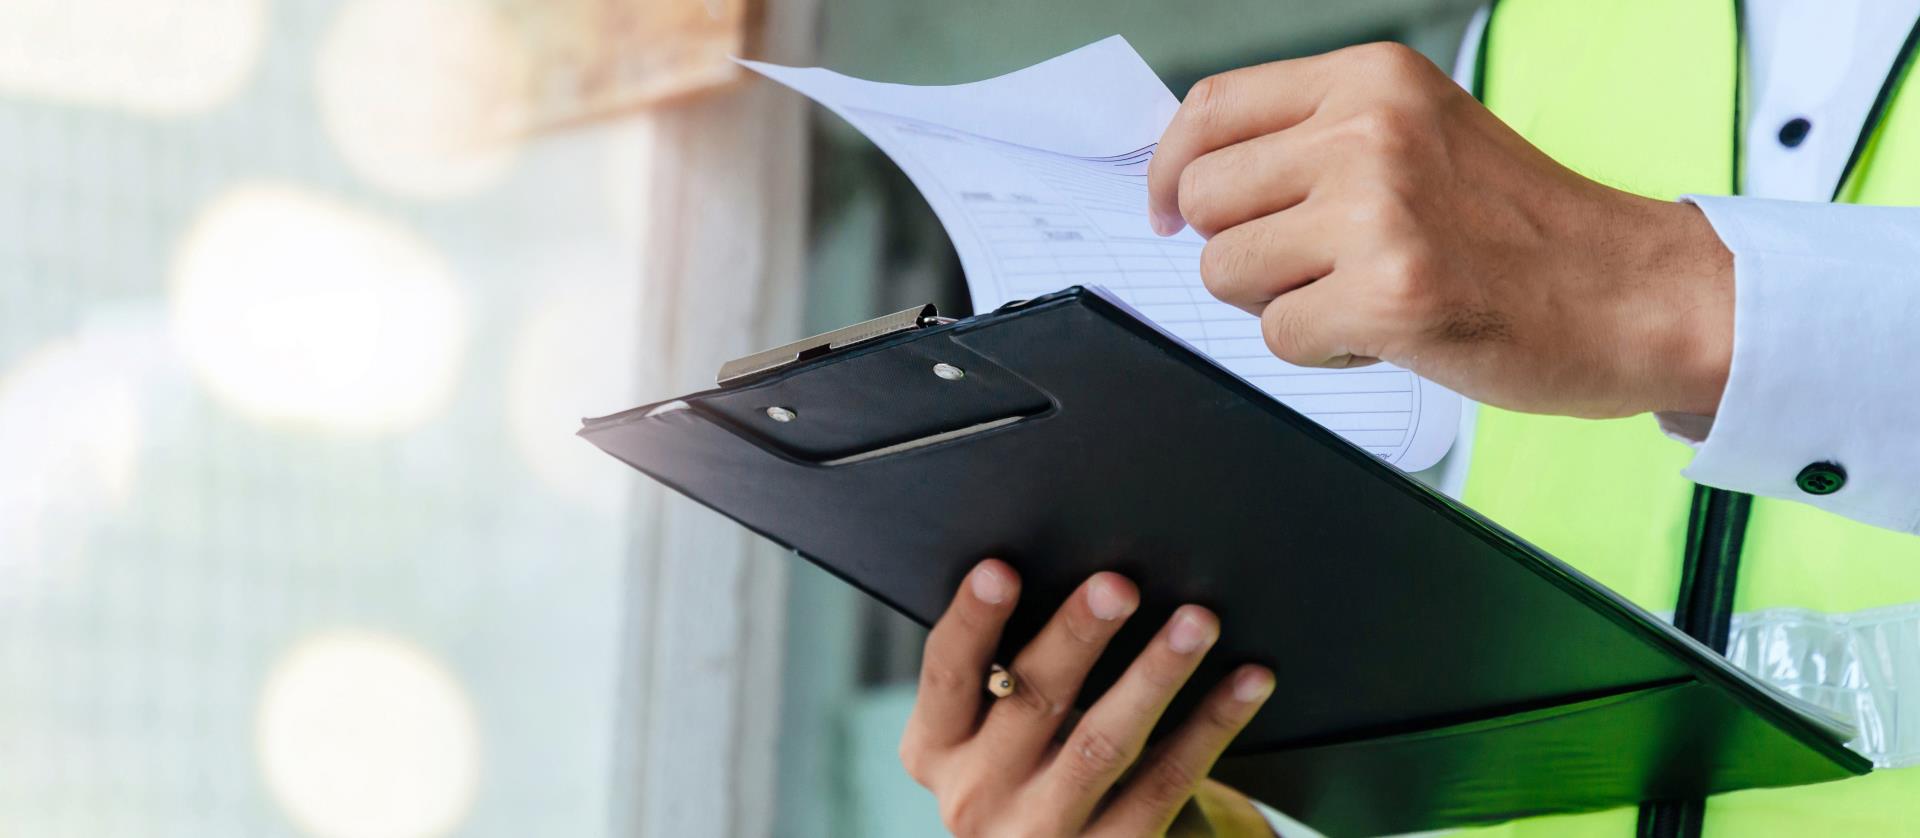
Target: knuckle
{"x": 946, "y": 635}
{"x": 1219, "y": 261}
{"x": 1196, "y": 200}
{"x": 913, "y": 758}
{"x": 964, "y": 809}
{"x": 1222, "y": 716}
{"x": 1407, "y": 265}
{"x": 1382, "y": 208}
{"x": 1372, "y": 51}
{"x": 1032, "y": 698}
{"x": 937, "y": 677}
{"x": 1206, "y": 189}
{"x": 1162, "y": 676}
{"x": 1405, "y": 276}
{"x": 1384, "y": 130}
{"x": 1231, "y": 265}
{"x": 1391, "y": 58}
{"x": 1206, "y": 97}
{"x": 1084, "y": 629}
{"x": 1285, "y": 333}
{"x": 1170, "y": 781}
{"x": 1094, "y": 756}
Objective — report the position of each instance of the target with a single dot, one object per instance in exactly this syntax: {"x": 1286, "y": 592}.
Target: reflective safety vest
{"x": 1643, "y": 95}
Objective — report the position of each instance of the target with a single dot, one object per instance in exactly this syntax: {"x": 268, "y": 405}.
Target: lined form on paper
{"x": 1039, "y": 176}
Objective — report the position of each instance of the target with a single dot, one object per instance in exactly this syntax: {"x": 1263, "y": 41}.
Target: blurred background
{"x": 300, "y": 304}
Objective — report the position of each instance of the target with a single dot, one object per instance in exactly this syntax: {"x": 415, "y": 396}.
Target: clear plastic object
{"x": 1863, "y": 666}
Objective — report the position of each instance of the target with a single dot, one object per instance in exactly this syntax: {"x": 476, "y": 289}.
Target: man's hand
{"x": 998, "y": 768}
{"x": 1366, "y": 208}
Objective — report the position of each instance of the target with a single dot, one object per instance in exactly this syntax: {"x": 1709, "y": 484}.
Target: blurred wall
{"x": 945, "y": 43}
{"x": 294, "y": 536}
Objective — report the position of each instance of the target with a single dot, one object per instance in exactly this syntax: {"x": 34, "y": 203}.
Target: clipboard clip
{"x": 821, "y": 344}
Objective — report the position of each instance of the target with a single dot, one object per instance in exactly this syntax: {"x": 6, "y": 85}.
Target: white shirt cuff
{"x": 1826, "y": 358}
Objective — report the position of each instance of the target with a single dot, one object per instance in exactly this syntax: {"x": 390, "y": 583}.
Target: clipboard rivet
{"x": 949, "y": 372}
{"x": 781, "y": 414}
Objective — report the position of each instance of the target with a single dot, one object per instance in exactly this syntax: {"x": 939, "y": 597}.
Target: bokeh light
{"x": 573, "y": 357}
{"x": 71, "y": 426}
{"x": 422, "y": 96}
{"x": 293, "y": 307}
{"x": 364, "y": 735}
{"x": 152, "y": 56}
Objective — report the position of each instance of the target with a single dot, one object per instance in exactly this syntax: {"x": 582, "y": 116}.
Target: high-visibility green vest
{"x": 1640, "y": 94}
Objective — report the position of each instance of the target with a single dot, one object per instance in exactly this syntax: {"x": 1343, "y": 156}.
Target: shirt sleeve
{"x": 1822, "y": 404}
{"x": 1466, "y": 62}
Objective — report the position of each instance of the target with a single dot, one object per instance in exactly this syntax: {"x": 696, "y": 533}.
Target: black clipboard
{"x": 1434, "y": 669}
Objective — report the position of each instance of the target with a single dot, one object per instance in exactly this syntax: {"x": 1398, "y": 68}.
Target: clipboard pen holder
{"x": 740, "y": 369}
{"x": 857, "y": 403}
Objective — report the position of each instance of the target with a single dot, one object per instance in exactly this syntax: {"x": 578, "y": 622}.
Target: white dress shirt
{"x": 1826, "y": 344}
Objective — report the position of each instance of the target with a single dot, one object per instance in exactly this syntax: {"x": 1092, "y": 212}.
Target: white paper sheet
{"x": 1040, "y": 178}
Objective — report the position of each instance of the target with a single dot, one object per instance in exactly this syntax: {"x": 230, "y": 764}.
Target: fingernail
{"x": 989, "y": 585}
{"x": 1106, "y": 601}
{"x": 1165, "y": 224}
{"x": 1189, "y": 633}
{"x": 1252, "y": 685}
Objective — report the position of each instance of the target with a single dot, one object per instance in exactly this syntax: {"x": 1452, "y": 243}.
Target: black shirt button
{"x": 1821, "y": 478}
{"x": 1795, "y": 131}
